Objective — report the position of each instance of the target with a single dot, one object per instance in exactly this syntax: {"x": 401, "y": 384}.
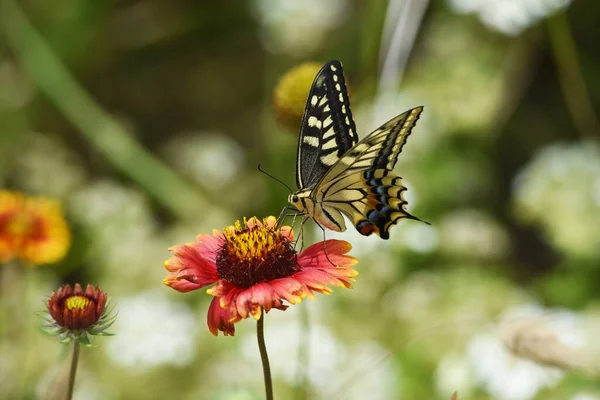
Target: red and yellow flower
{"x": 32, "y": 229}
{"x": 74, "y": 313}
{"x": 253, "y": 267}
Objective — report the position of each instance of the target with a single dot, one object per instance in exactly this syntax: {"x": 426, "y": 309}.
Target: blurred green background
{"x": 147, "y": 120}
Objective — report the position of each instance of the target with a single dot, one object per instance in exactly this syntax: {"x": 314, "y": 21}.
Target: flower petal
{"x": 208, "y": 246}
{"x": 271, "y": 221}
{"x": 327, "y": 254}
{"x": 287, "y": 232}
{"x": 220, "y": 319}
{"x": 253, "y": 222}
{"x": 189, "y": 265}
{"x": 181, "y": 283}
{"x": 290, "y": 289}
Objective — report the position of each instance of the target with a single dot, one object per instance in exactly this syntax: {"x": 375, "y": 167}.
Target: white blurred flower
{"x": 152, "y": 330}
{"x": 212, "y": 160}
{"x": 454, "y": 375}
{"x": 298, "y": 27}
{"x": 585, "y": 396}
{"x": 510, "y": 17}
{"x": 47, "y": 166}
{"x": 465, "y": 96}
{"x": 508, "y": 377}
{"x": 560, "y": 191}
{"x": 503, "y": 375}
{"x": 102, "y": 203}
{"x": 474, "y": 234}
{"x": 419, "y": 237}
{"x": 333, "y": 370}
{"x": 125, "y": 238}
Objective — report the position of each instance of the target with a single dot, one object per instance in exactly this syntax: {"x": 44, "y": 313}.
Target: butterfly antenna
{"x": 277, "y": 179}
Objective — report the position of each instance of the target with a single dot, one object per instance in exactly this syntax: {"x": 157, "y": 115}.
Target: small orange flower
{"x": 32, "y": 229}
{"x": 254, "y": 267}
{"x": 74, "y": 313}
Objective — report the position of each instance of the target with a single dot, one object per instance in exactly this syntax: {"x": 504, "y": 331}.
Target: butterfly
{"x": 336, "y": 174}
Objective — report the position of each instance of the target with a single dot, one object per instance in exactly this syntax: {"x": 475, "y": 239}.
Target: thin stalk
{"x": 303, "y": 356}
{"x": 260, "y": 336}
{"x": 571, "y": 79}
{"x": 73, "y": 372}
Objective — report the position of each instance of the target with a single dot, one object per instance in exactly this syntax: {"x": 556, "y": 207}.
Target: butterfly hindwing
{"x": 362, "y": 185}
{"x": 327, "y": 131}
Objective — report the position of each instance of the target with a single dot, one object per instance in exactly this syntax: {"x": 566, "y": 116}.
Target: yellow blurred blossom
{"x": 32, "y": 229}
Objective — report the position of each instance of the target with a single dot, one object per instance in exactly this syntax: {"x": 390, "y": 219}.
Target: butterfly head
{"x": 296, "y": 201}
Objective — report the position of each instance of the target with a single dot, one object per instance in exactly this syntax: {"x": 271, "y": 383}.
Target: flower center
{"x": 19, "y": 225}
{"x": 256, "y": 254}
{"x": 77, "y": 303}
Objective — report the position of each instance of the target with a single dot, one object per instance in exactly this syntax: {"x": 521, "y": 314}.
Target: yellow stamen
{"x": 77, "y": 302}
{"x": 250, "y": 243}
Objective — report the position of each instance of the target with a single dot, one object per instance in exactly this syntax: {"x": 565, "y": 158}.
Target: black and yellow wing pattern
{"x": 337, "y": 174}
{"x": 328, "y": 130}
{"x": 362, "y": 184}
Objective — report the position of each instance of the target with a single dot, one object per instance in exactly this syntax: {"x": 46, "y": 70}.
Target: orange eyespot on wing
{"x": 366, "y": 228}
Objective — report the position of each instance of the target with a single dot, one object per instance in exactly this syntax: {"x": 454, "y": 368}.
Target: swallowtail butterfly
{"x": 337, "y": 174}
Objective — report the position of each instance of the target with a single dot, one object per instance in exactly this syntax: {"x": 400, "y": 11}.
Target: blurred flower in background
{"x": 291, "y": 93}
{"x": 559, "y": 190}
{"x": 213, "y": 160}
{"x": 298, "y": 28}
{"x": 510, "y": 17}
{"x": 153, "y": 330}
{"x": 507, "y": 376}
{"x": 453, "y": 372}
{"x": 47, "y": 165}
{"x": 32, "y": 229}
{"x": 473, "y": 234}
{"x": 255, "y": 268}
{"x": 333, "y": 368}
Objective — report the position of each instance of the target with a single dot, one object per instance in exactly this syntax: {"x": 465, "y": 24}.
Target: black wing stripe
{"x": 328, "y": 130}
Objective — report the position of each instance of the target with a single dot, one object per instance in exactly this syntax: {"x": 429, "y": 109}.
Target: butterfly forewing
{"x": 328, "y": 130}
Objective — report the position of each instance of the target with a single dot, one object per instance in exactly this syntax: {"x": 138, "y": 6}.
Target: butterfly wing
{"x": 327, "y": 131}
{"x": 361, "y": 184}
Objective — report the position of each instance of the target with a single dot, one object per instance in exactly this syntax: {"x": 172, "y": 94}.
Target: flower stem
{"x": 260, "y": 335}
{"x": 73, "y": 372}
{"x": 570, "y": 77}
{"x": 303, "y": 356}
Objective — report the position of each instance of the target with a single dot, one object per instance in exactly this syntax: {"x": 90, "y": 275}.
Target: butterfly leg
{"x": 282, "y": 215}
{"x": 324, "y": 246}
{"x": 301, "y": 235}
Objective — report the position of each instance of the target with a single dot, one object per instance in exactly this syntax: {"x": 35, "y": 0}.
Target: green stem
{"x": 570, "y": 77}
{"x": 73, "y": 371}
{"x": 260, "y": 335}
{"x": 303, "y": 355}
